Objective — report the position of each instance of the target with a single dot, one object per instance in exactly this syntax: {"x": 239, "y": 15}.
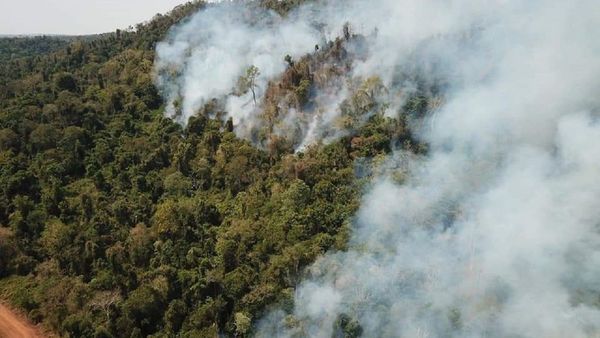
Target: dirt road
{"x": 14, "y": 326}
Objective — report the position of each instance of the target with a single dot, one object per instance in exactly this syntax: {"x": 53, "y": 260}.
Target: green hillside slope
{"x": 117, "y": 222}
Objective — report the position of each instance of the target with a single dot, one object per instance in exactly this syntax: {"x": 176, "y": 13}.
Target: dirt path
{"x": 14, "y": 326}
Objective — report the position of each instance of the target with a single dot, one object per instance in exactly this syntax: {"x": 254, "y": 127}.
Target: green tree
{"x": 248, "y": 81}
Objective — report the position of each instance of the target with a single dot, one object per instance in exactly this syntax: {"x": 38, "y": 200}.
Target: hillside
{"x": 18, "y": 47}
{"x": 117, "y": 221}
{"x": 307, "y": 168}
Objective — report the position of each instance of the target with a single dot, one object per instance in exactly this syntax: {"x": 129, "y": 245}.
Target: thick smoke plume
{"x": 204, "y": 59}
{"x": 202, "y": 62}
{"x": 496, "y": 231}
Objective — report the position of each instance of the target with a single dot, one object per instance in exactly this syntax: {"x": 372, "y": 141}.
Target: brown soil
{"x": 12, "y": 325}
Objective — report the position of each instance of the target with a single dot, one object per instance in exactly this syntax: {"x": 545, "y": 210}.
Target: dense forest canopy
{"x": 300, "y": 168}
{"x": 117, "y": 221}
{"x": 19, "y": 47}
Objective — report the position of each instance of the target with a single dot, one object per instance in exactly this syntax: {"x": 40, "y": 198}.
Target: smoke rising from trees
{"x": 493, "y": 232}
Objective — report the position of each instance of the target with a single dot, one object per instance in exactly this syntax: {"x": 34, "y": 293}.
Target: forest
{"x": 116, "y": 221}
{"x": 306, "y": 168}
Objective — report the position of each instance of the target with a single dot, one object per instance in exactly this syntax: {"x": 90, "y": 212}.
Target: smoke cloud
{"x": 495, "y": 232}
{"x": 202, "y": 61}
{"x": 204, "y": 58}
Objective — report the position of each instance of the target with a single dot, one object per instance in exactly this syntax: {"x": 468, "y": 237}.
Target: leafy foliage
{"x": 115, "y": 221}
{"x": 19, "y": 47}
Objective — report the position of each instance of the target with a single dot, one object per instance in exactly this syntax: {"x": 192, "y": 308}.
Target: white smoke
{"x": 204, "y": 58}
{"x": 495, "y": 232}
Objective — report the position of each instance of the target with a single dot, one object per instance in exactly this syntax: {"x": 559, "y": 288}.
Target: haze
{"x": 74, "y": 17}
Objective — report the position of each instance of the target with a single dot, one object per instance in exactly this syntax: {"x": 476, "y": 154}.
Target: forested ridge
{"x": 19, "y": 47}
{"x": 116, "y": 221}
